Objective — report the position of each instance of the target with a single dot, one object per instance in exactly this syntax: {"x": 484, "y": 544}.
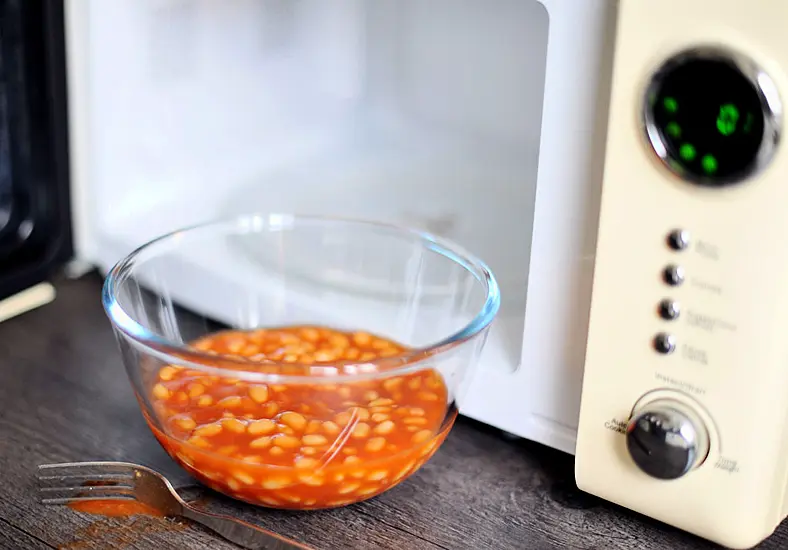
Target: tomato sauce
{"x": 305, "y": 445}
{"x": 114, "y": 508}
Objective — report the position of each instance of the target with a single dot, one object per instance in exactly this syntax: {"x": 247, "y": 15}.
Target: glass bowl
{"x": 300, "y": 362}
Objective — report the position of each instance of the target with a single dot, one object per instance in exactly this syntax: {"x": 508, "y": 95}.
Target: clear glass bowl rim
{"x": 180, "y": 354}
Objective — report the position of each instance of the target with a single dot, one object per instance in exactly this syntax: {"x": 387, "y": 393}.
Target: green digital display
{"x": 687, "y": 152}
{"x": 728, "y": 119}
{"x": 709, "y": 117}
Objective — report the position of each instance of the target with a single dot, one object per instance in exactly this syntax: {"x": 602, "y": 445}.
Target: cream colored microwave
{"x": 619, "y": 165}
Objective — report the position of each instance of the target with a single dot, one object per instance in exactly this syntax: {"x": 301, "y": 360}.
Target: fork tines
{"x": 72, "y": 481}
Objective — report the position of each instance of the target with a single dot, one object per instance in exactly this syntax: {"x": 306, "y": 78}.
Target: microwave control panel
{"x": 683, "y": 406}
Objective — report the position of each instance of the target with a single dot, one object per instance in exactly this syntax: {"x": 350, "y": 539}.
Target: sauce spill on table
{"x": 124, "y": 523}
{"x": 123, "y": 532}
{"x": 114, "y": 508}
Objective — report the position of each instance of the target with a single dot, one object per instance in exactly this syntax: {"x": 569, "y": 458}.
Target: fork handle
{"x": 242, "y": 533}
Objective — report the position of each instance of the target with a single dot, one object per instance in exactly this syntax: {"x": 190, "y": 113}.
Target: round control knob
{"x": 666, "y": 439}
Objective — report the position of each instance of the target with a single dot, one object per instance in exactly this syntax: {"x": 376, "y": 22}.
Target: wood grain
{"x": 13, "y": 537}
{"x": 65, "y": 397}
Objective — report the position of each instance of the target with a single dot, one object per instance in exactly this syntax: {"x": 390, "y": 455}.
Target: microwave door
{"x": 35, "y": 233}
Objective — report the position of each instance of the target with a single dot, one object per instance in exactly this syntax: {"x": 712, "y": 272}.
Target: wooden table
{"x": 64, "y": 396}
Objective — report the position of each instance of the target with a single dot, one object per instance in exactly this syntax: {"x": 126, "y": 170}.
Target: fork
{"x": 78, "y": 481}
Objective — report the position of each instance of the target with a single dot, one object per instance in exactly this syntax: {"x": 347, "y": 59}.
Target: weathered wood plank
{"x": 13, "y": 537}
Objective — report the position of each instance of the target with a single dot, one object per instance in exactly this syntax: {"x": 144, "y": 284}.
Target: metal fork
{"x": 78, "y": 481}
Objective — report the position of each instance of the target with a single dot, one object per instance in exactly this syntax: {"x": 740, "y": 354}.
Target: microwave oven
{"x": 618, "y": 164}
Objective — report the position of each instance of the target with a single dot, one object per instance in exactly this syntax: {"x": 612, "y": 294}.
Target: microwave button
{"x": 673, "y": 275}
{"x": 666, "y": 441}
{"x": 664, "y": 343}
{"x": 678, "y": 239}
{"x": 669, "y": 310}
